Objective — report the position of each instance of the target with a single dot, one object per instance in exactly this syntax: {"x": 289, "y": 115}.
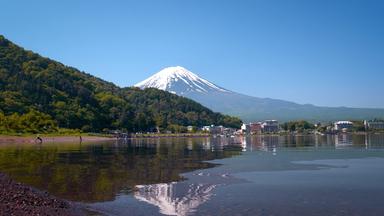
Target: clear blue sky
{"x": 321, "y": 52}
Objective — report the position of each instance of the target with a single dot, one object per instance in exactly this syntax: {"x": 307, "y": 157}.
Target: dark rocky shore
{"x": 19, "y": 199}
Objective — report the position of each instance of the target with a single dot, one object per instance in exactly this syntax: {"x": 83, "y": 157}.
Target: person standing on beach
{"x": 38, "y": 138}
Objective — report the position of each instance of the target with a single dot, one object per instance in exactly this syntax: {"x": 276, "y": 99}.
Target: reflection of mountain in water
{"x": 172, "y": 200}
{"x": 95, "y": 172}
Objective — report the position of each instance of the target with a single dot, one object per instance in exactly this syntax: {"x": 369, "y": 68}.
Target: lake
{"x": 260, "y": 175}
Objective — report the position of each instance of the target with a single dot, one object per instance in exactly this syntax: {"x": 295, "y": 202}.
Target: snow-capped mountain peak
{"x": 179, "y": 80}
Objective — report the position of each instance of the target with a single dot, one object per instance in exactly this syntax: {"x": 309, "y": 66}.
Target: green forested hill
{"x": 74, "y": 99}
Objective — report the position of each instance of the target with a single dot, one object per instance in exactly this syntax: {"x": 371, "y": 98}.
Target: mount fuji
{"x": 183, "y": 82}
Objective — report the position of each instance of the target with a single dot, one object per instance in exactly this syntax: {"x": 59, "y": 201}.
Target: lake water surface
{"x": 261, "y": 175}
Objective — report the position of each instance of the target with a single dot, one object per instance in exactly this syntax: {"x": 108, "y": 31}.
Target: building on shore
{"x": 270, "y": 126}
{"x": 212, "y": 129}
{"x": 246, "y": 128}
{"x": 190, "y": 128}
{"x": 343, "y": 126}
{"x": 374, "y": 125}
{"x": 206, "y": 128}
{"x": 229, "y": 131}
{"x": 219, "y": 130}
{"x": 252, "y": 128}
{"x": 256, "y": 128}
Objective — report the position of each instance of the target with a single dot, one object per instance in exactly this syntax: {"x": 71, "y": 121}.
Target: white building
{"x": 246, "y": 128}
{"x": 207, "y": 128}
{"x": 190, "y": 128}
{"x": 343, "y": 125}
{"x": 374, "y": 125}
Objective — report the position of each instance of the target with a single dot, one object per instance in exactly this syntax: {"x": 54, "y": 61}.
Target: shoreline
{"x": 172, "y": 135}
{"x": 52, "y": 138}
{"x": 10, "y": 139}
{"x": 20, "y": 199}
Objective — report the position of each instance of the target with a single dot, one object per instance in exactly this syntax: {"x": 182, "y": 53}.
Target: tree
{"x": 77, "y": 100}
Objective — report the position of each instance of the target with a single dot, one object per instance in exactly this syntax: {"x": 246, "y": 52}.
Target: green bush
{"x": 30, "y": 122}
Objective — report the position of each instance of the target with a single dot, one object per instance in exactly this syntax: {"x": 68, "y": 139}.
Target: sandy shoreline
{"x": 5, "y": 139}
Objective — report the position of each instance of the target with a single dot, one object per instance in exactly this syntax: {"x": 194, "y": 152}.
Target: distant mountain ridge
{"x": 183, "y": 82}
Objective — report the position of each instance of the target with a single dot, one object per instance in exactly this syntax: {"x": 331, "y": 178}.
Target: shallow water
{"x": 264, "y": 175}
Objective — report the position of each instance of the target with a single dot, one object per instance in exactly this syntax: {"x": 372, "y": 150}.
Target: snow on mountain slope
{"x": 179, "y": 80}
